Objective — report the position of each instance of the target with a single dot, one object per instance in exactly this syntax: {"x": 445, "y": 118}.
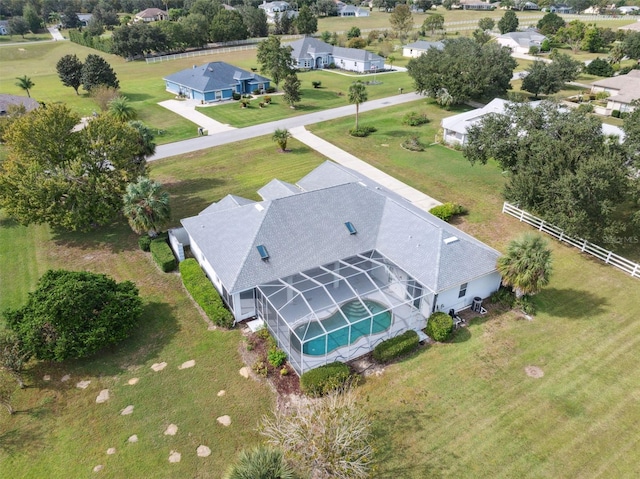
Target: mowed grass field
{"x": 467, "y": 409}
{"x": 59, "y": 431}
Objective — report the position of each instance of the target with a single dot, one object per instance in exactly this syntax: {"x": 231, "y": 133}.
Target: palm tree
{"x": 146, "y": 206}
{"x": 25, "y": 83}
{"x": 357, "y": 95}
{"x": 526, "y": 266}
{"x": 121, "y": 109}
{"x": 281, "y": 136}
{"x": 260, "y": 463}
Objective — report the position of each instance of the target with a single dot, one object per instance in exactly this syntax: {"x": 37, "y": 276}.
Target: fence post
{"x": 635, "y": 270}
{"x": 608, "y": 258}
{"x": 584, "y": 245}
{"x": 541, "y": 226}
{"x": 521, "y": 215}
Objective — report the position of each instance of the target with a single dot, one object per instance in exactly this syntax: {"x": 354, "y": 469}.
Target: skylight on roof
{"x": 263, "y": 251}
{"x": 450, "y": 239}
{"x": 352, "y": 229}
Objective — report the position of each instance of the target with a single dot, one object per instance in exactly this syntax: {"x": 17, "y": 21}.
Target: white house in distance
{"x": 277, "y": 8}
{"x": 521, "y": 42}
{"x": 151, "y": 15}
{"x": 335, "y": 264}
{"x": 4, "y": 27}
{"x": 622, "y": 89}
{"x": 415, "y": 49}
{"x": 311, "y": 53}
{"x": 455, "y": 128}
{"x": 345, "y": 10}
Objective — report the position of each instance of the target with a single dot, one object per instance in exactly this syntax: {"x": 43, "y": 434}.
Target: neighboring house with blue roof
{"x": 311, "y": 53}
{"x": 336, "y": 264}
{"x": 415, "y": 49}
{"x": 214, "y": 81}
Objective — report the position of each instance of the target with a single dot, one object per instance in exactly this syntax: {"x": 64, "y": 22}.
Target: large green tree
{"x": 97, "y": 71}
{"x": 18, "y": 26}
{"x": 550, "y": 23}
{"x": 631, "y": 45}
{"x": 69, "y": 69}
{"x": 357, "y": 94}
{"x": 228, "y": 26}
{"x": 509, "y": 22}
{"x": 275, "y": 59}
{"x": 465, "y": 68}
{"x": 72, "y": 180}
{"x": 526, "y": 266}
{"x": 255, "y": 19}
{"x": 146, "y": 206}
{"x": 31, "y": 16}
{"x": 401, "y": 20}
{"x": 572, "y": 34}
{"x": 433, "y": 23}
{"x": 558, "y": 165}
{"x": 73, "y": 315}
{"x": 306, "y": 22}
{"x": 548, "y": 78}
{"x": 486, "y": 24}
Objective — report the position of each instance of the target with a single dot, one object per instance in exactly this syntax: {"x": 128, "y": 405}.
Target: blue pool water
{"x": 359, "y": 324}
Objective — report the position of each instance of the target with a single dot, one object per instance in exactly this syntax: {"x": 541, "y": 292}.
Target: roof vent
{"x": 352, "y": 229}
{"x": 450, "y": 239}
{"x": 259, "y": 207}
{"x": 263, "y": 252}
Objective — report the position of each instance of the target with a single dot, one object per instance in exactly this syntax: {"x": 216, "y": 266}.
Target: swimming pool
{"x": 360, "y": 323}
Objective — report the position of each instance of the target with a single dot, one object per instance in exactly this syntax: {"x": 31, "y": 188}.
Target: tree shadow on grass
{"x": 570, "y": 303}
{"x": 17, "y": 440}
{"x": 157, "y": 327}
{"x": 185, "y": 200}
{"x": 117, "y": 238}
{"x": 133, "y": 97}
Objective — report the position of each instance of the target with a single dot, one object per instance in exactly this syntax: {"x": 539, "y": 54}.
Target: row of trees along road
{"x": 561, "y": 166}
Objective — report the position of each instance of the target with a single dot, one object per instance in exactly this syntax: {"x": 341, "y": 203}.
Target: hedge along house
{"x": 214, "y": 81}
{"x": 336, "y": 264}
{"x": 311, "y": 53}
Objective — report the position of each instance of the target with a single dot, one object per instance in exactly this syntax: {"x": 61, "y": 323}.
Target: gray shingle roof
{"x": 422, "y": 45}
{"x": 307, "y": 229}
{"x": 229, "y": 201}
{"x": 277, "y": 189}
{"x": 212, "y": 76}
{"x": 7, "y": 100}
{"x": 303, "y": 47}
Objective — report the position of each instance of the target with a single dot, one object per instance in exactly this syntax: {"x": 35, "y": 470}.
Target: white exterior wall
{"x": 204, "y": 264}
{"x": 482, "y": 287}
{"x": 451, "y": 137}
{"x": 412, "y": 52}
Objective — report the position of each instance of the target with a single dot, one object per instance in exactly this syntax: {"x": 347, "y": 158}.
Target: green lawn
{"x": 28, "y": 38}
{"x": 59, "y": 431}
{"x": 467, "y": 408}
{"x": 333, "y": 93}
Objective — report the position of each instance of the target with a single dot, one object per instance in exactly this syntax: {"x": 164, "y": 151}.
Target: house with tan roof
{"x": 151, "y": 15}
{"x": 622, "y": 89}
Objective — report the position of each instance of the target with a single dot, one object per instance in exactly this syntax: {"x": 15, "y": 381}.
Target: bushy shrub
{"x": 586, "y": 107}
{"x": 267, "y": 99}
{"x": 599, "y": 67}
{"x": 446, "y": 211}
{"x": 504, "y": 297}
{"x": 362, "y": 131}
{"x": 439, "y": 326}
{"x": 162, "y": 255}
{"x": 276, "y": 357}
{"x": 271, "y": 89}
{"x": 359, "y": 43}
{"x": 395, "y": 347}
{"x": 415, "y": 119}
{"x": 413, "y": 144}
{"x": 236, "y": 96}
{"x": 526, "y": 305}
{"x": 260, "y": 368}
{"x": 325, "y": 379}
{"x": 615, "y": 113}
{"x": 316, "y": 84}
{"x": 203, "y": 293}
{"x": 244, "y": 103}
{"x": 144, "y": 242}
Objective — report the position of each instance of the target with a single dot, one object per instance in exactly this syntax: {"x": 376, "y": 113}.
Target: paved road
{"x": 239, "y": 134}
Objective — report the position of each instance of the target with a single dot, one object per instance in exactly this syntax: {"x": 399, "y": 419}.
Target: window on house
{"x": 463, "y": 291}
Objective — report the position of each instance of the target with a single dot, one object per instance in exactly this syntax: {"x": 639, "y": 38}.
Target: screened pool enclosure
{"x": 341, "y": 310}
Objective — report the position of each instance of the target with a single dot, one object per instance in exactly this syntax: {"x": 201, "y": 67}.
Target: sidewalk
{"x": 340, "y": 156}
{"x": 55, "y": 34}
{"x": 187, "y": 109}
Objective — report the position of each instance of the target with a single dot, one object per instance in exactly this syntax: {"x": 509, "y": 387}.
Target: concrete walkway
{"x": 187, "y": 109}
{"x": 55, "y": 34}
{"x": 340, "y": 156}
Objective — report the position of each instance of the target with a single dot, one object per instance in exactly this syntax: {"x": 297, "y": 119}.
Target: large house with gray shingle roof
{"x": 311, "y": 53}
{"x": 335, "y": 264}
{"x": 214, "y": 81}
{"x": 623, "y": 91}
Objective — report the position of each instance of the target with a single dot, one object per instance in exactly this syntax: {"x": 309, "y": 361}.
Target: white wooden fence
{"x": 583, "y": 245}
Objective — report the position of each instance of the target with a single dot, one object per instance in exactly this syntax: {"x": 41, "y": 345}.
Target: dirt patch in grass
{"x": 254, "y": 349}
